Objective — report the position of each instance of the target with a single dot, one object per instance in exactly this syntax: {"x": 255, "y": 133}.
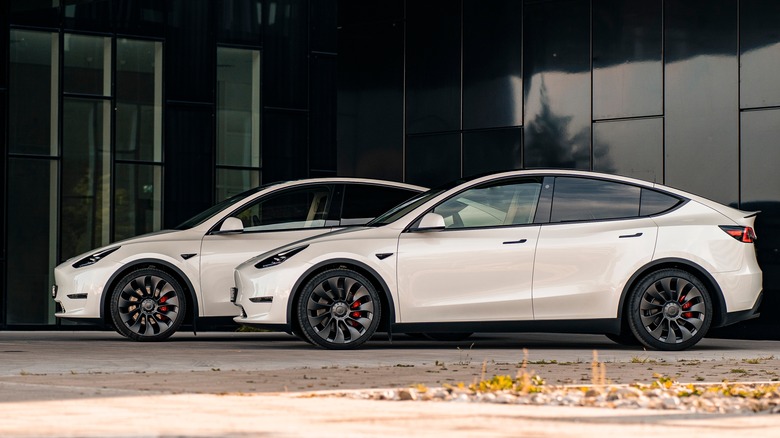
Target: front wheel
{"x": 148, "y": 305}
{"x": 670, "y": 309}
{"x": 339, "y": 309}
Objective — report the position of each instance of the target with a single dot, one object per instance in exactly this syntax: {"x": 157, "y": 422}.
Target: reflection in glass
{"x": 32, "y": 221}
{"x": 238, "y": 107}
{"x": 87, "y": 65}
{"x": 492, "y": 151}
{"x": 137, "y": 200}
{"x": 86, "y": 175}
{"x": 231, "y": 182}
{"x": 432, "y": 159}
{"x": 240, "y": 21}
{"x": 582, "y": 199}
{"x": 759, "y": 49}
{"x": 630, "y": 147}
{"x": 33, "y": 93}
{"x": 138, "y": 100}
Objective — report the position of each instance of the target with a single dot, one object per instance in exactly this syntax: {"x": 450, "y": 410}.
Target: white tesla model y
{"x": 147, "y": 286}
{"x": 540, "y": 250}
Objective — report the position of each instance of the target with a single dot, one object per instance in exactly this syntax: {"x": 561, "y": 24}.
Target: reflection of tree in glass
{"x": 83, "y": 213}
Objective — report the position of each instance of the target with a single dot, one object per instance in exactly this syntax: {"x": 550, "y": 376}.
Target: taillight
{"x": 743, "y": 234}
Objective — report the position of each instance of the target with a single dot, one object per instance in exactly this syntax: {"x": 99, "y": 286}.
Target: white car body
{"x": 533, "y": 273}
{"x": 202, "y": 257}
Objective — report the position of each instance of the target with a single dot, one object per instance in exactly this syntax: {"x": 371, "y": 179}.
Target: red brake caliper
{"x": 686, "y": 306}
{"x": 354, "y": 306}
{"x": 163, "y": 308}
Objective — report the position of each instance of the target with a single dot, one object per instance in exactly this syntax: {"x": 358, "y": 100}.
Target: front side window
{"x": 504, "y": 204}
{"x": 583, "y": 199}
{"x": 294, "y": 209}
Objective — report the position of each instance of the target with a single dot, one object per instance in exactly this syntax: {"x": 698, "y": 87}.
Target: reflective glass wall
{"x": 681, "y": 92}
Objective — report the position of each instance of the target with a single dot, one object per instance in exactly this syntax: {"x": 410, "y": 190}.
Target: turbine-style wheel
{"x": 148, "y": 305}
{"x": 670, "y": 309}
{"x": 339, "y": 309}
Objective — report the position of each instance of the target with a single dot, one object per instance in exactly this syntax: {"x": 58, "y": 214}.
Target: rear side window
{"x": 656, "y": 202}
{"x": 583, "y": 199}
{"x": 365, "y": 202}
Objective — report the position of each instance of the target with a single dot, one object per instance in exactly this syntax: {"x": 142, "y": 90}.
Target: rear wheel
{"x": 670, "y": 309}
{"x": 148, "y": 305}
{"x": 339, "y": 309}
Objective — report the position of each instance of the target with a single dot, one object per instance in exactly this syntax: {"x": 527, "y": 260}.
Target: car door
{"x": 269, "y": 222}
{"x": 479, "y": 266}
{"x": 594, "y": 242}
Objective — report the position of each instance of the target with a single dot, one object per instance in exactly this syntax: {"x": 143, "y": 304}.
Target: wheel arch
{"x": 192, "y": 308}
{"x": 716, "y": 293}
{"x": 387, "y": 318}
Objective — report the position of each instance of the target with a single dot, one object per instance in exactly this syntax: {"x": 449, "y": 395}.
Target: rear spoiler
{"x": 751, "y": 214}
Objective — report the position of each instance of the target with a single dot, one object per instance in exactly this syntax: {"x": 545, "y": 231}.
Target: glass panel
{"x": 285, "y": 54}
{"x": 89, "y": 14}
{"x": 581, "y": 199}
{"x": 231, "y": 182}
{"x": 371, "y": 101}
{"x": 189, "y": 51}
{"x": 556, "y": 82}
{"x": 655, "y": 202}
{"x": 632, "y": 148}
{"x": 322, "y": 118}
{"x": 702, "y": 98}
{"x": 240, "y": 22}
{"x": 33, "y": 93}
{"x": 138, "y": 100}
{"x": 491, "y": 151}
{"x": 492, "y": 63}
{"x": 286, "y": 135}
{"x": 364, "y": 202}
{"x": 32, "y": 234}
{"x": 238, "y": 107}
{"x": 42, "y": 13}
{"x": 432, "y": 66}
{"x": 87, "y": 65}
{"x": 137, "y": 200}
{"x": 306, "y": 208}
{"x": 627, "y": 67}
{"x": 86, "y": 175}
{"x": 432, "y": 159}
{"x": 496, "y": 205}
{"x": 139, "y": 17}
{"x": 323, "y": 17}
{"x": 759, "y": 50}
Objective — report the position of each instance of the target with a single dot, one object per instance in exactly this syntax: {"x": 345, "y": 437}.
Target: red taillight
{"x": 743, "y": 234}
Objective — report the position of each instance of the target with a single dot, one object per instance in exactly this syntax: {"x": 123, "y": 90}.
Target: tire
{"x": 448, "y": 337}
{"x": 148, "y": 305}
{"x": 339, "y": 309}
{"x": 669, "y": 309}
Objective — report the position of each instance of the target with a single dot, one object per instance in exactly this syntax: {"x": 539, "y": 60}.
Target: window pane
{"x": 306, "y": 208}
{"x": 137, "y": 200}
{"x": 655, "y": 202}
{"x": 497, "y": 205}
{"x": 86, "y": 174}
{"x": 759, "y": 53}
{"x": 33, "y": 92}
{"x": 231, "y": 182}
{"x": 578, "y": 199}
{"x": 363, "y": 203}
{"x": 632, "y": 148}
{"x": 32, "y": 215}
{"x": 238, "y": 107}
{"x": 138, "y": 100}
{"x": 432, "y": 159}
{"x": 87, "y": 66}
{"x": 240, "y": 22}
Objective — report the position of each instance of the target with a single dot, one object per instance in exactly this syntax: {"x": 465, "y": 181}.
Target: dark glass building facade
{"x": 120, "y": 117}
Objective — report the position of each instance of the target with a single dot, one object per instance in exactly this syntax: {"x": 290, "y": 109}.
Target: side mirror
{"x": 231, "y": 225}
{"x": 431, "y": 222}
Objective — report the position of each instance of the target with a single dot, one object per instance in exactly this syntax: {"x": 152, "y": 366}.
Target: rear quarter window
{"x": 656, "y": 202}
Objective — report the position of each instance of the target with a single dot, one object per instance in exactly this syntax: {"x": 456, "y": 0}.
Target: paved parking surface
{"x": 250, "y": 384}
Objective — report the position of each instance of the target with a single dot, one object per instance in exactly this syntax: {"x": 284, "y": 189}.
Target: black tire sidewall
{"x": 303, "y": 320}
{"x": 635, "y": 322}
{"x": 120, "y": 326}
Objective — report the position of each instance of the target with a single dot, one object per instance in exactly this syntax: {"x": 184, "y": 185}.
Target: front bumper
{"x": 78, "y": 292}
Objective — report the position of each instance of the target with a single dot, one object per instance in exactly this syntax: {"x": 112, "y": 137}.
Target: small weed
{"x": 739, "y": 371}
{"x": 404, "y": 365}
{"x": 757, "y": 360}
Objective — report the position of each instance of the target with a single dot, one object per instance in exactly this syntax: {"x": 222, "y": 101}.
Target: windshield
{"x": 213, "y": 210}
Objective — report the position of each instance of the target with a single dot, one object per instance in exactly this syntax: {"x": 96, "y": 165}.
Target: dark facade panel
{"x": 432, "y": 66}
{"x": 42, "y": 13}
{"x": 370, "y": 101}
{"x": 632, "y": 148}
{"x": 432, "y": 160}
{"x": 492, "y": 63}
{"x": 492, "y": 151}
{"x": 240, "y": 22}
{"x": 322, "y": 125}
{"x": 139, "y": 17}
{"x": 285, "y": 136}
{"x": 627, "y": 63}
{"x": 556, "y": 82}
{"x": 324, "y": 22}
{"x": 285, "y": 54}
{"x": 356, "y": 12}
{"x": 701, "y": 109}
{"x": 759, "y": 40}
{"x": 189, "y": 53}
{"x": 87, "y": 15}
{"x": 189, "y": 162}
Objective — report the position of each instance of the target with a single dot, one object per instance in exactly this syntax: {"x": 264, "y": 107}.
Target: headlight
{"x": 94, "y": 258}
{"x": 279, "y": 257}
